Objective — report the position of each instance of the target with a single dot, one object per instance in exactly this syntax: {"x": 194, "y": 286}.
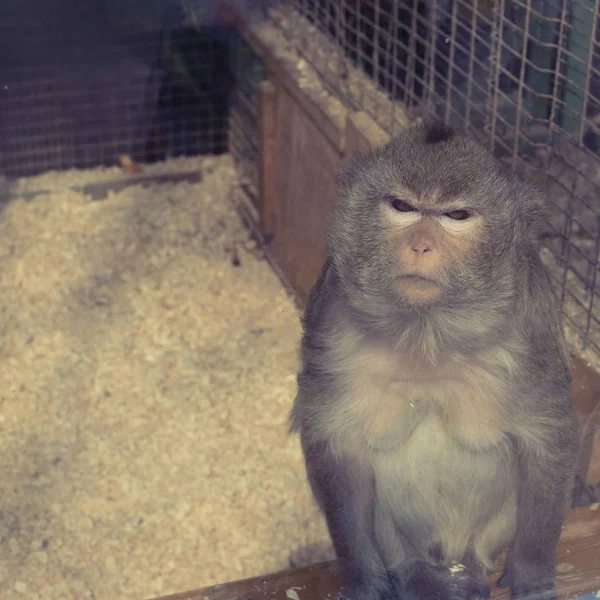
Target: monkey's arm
{"x": 343, "y": 487}
{"x": 547, "y": 435}
{"x": 342, "y": 483}
{"x": 546, "y": 470}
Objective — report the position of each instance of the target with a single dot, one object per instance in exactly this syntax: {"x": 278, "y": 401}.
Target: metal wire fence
{"x": 82, "y": 84}
{"x": 521, "y": 75}
{"x": 249, "y": 70}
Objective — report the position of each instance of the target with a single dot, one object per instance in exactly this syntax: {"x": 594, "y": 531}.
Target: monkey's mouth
{"x": 417, "y": 289}
{"x": 416, "y": 278}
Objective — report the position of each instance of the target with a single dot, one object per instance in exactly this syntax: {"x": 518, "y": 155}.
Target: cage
{"x": 177, "y": 79}
{"x": 520, "y": 76}
{"x": 130, "y": 134}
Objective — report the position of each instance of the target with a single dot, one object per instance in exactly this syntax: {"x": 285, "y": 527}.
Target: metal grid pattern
{"x": 249, "y": 70}
{"x": 521, "y": 75}
{"x": 81, "y": 85}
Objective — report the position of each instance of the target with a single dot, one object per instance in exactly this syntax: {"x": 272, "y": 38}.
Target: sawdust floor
{"x": 145, "y": 383}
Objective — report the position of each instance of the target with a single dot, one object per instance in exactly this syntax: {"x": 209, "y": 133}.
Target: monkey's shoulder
{"x": 540, "y": 322}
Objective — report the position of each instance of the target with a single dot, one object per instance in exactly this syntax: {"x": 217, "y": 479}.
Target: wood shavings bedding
{"x": 145, "y": 385}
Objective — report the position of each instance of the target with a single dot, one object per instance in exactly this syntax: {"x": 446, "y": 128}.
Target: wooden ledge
{"x": 577, "y": 571}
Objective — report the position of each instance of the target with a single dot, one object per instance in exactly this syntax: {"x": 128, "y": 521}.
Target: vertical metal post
{"x": 543, "y": 35}
{"x": 579, "y": 40}
{"x": 430, "y": 93}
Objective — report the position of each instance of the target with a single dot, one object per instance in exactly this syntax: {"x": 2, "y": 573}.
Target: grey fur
{"x": 442, "y": 432}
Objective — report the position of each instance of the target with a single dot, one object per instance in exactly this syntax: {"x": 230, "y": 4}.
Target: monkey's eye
{"x": 458, "y": 215}
{"x": 401, "y": 206}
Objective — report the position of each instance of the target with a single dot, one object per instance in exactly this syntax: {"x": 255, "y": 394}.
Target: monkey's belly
{"x": 436, "y": 496}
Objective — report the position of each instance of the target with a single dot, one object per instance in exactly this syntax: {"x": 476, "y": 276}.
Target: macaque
{"x": 433, "y": 401}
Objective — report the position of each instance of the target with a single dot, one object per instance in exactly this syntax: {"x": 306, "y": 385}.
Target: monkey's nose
{"x": 421, "y": 247}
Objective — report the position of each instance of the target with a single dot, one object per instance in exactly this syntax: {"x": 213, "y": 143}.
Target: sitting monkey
{"x": 434, "y": 401}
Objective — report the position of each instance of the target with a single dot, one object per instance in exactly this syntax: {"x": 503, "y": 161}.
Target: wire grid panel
{"x": 522, "y": 76}
{"x": 249, "y": 70}
{"x": 79, "y": 94}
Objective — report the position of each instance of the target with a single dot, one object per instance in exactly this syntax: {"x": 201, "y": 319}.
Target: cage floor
{"x": 145, "y": 382}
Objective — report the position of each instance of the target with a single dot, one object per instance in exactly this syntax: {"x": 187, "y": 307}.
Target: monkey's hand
{"x": 528, "y": 581}
{"x": 425, "y": 582}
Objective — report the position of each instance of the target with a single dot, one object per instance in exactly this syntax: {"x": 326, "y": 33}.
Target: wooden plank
{"x": 101, "y": 190}
{"x": 304, "y": 173}
{"x": 593, "y": 474}
{"x": 578, "y": 571}
{"x": 267, "y": 145}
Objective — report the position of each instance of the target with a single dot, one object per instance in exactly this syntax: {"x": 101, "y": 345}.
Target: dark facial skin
{"x": 433, "y": 400}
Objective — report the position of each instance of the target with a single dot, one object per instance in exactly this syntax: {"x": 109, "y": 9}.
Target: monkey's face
{"x": 432, "y": 218}
{"x": 426, "y": 242}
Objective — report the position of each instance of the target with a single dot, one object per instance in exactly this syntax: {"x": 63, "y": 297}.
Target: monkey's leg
{"x": 344, "y": 489}
{"x": 545, "y": 481}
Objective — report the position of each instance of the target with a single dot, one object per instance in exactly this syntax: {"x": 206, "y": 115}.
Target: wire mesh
{"x": 522, "y": 76}
{"x": 249, "y": 70}
{"x": 82, "y": 84}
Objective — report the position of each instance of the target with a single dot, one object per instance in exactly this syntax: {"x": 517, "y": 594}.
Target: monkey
{"x": 433, "y": 396}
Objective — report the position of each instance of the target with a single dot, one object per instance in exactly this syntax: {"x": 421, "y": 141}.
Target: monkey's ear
{"x": 353, "y": 172}
{"x": 436, "y": 132}
{"x": 533, "y": 210}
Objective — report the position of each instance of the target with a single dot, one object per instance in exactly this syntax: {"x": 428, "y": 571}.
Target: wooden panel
{"x": 267, "y": 145}
{"x": 578, "y": 571}
{"x": 593, "y": 474}
{"x": 586, "y": 400}
{"x": 306, "y": 164}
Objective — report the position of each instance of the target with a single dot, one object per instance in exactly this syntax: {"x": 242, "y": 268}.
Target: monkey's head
{"x": 430, "y": 219}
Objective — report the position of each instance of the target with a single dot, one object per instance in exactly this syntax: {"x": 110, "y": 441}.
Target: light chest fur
{"x": 435, "y": 436}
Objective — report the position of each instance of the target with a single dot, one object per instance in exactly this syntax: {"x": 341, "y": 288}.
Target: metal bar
{"x": 452, "y": 41}
{"x": 543, "y": 34}
{"x": 475, "y": 10}
{"x": 498, "y": 14}
{"x": 432, "y": 52}
{"x": 411, "y": 63}
{"x": 579, "y": 41}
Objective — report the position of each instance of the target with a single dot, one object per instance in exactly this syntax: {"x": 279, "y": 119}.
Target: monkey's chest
{"x": 385, "y": 411}
{"x": 437, "y": 443}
